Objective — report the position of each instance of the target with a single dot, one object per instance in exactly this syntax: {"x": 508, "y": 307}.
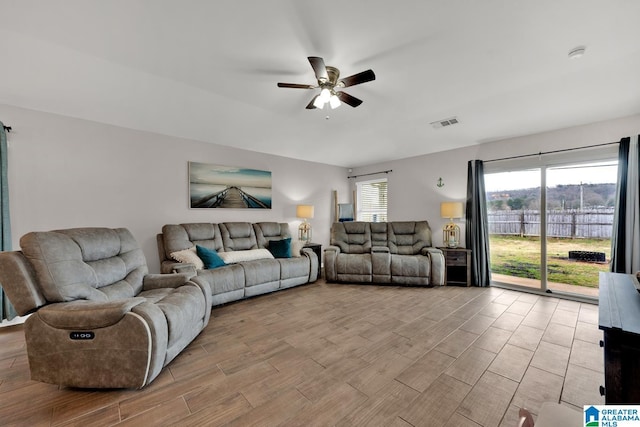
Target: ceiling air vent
{"x": 444, "y": 122}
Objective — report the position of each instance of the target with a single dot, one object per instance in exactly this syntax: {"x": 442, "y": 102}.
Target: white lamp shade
{"x": 304, "y": 211}
{"x": 451, "y": 209}
{"x": 325, "y": 94}
{"x": 334, "y": 102}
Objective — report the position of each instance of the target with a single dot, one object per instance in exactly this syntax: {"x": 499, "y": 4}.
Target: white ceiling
{"x": 207, "y": 70}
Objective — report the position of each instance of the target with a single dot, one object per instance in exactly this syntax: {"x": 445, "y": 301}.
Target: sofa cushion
{"x": 410, "y": 265}
{"x": 243, "y": 256}
{"x": 261, "y": 272}
{"x": 210, "y": 258}
{"x": 379, "y": 234}
{"x": 280, "y": 248}
{"x": 267, "y": 231}
{"x": 95, "y": 264}
{"x": 296, "y": 248}
{"x": 294, "y": 271}
{"x": 354, "y": 264}
{"x": 177, "y": 237}
{"x": 238, "y": 236}
{"x": 188, "y": 256}
{"x": 294, "y": 267}
{"x": 352, "y": 237}
{"x": 408, "y": 237}
{"x": 224, "y": 279}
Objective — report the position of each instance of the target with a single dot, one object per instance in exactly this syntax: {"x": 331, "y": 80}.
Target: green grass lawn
{"x": 520, "y": 257}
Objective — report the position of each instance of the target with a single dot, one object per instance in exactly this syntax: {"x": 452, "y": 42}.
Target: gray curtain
{"x": 477, "y": 225}
{"x": 625, "y": 241}
{"x": 6, "y": 309}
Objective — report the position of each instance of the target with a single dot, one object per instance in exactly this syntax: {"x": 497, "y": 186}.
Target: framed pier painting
{"x": 214, "y": 186}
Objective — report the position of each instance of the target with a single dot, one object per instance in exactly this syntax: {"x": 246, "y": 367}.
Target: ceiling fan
{"x": 328, "y": 81}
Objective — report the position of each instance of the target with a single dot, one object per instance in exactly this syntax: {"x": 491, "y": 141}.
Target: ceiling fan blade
{"x": 356, "y": 79}
{"x": 295, "y": 86}
{"x": 319, "y": 68}
{"x": 310, "y": 106}
{"x": 348, "y": 99}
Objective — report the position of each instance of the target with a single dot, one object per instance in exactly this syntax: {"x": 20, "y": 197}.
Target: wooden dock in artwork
{"x": 231, "y": 197}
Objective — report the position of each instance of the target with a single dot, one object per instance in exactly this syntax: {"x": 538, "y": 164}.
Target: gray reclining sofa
{"x": 98, "y": 320}
{"x": 250, "y": 272}
{"x": 397, "y": 252}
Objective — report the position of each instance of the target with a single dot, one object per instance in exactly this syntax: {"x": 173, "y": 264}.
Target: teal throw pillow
{"x": 210, "y": 258}
{"x": 280, "y": 248}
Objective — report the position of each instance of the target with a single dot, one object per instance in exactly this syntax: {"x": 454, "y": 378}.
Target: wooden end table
{"x": 457, "y": 263}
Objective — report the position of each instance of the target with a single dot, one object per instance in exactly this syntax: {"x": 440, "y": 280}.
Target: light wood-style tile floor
{"x": 345, "y": 355}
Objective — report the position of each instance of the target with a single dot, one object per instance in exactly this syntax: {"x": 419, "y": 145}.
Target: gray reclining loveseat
{"x": 98, "y": 319}
{"x": 398, "y": 252}
{"x": 250, "y": 269}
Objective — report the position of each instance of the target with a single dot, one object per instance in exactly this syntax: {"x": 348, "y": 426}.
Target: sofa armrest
{"x": 156, "y": 281}
{"x": 332, "y": 248}
{"x": 436, "y": 257}
{"x": 18, "y": 280}
{"x": 330, "y": 256}
{"x": 168, "y": 267}
{"x": 189, "y": 269}
{"x": 313, "y": 262}
{"x": 430, "y": 250}
{"x": 205, "y": 287}
{"x": 381, "y": 264}
{"x": 85, "y": 315}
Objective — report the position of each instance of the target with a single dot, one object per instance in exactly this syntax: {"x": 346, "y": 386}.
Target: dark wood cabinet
{"x": 619, "y": 319}
{"x": 457, "y": 266}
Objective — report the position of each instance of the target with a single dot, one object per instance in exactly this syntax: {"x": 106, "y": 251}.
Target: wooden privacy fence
{"x": 575, "y": 223}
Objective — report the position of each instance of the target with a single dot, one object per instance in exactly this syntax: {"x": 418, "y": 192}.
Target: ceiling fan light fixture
{"x": 325, "y": 95}
{"x": 328, "y": 79}
{"x": 334, "y": 102}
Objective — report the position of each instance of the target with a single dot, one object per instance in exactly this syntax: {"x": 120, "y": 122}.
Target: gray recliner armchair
{"x": 99, "y": 320}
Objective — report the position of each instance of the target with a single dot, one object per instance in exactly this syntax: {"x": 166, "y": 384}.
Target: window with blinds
{"x": 372, "y": 200}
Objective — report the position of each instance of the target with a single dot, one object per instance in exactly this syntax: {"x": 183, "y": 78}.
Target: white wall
{"x": 413, "y": 190}
{"x": 66, "y": 172}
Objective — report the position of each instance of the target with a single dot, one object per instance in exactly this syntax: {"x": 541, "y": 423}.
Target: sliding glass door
{"x": 513, "y": 204}
{"x": 580, "y": 207}
{"x": 550, "y": 226}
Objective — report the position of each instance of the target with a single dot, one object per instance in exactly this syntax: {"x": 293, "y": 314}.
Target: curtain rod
{"x": 7, "y": 128}
{"x": 551, "y": 152}
{"x": 372, "y": 173}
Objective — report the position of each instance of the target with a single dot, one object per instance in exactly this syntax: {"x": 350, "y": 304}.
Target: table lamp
{"x": 451, "y": 231}
{"x": 304, "y": 230}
